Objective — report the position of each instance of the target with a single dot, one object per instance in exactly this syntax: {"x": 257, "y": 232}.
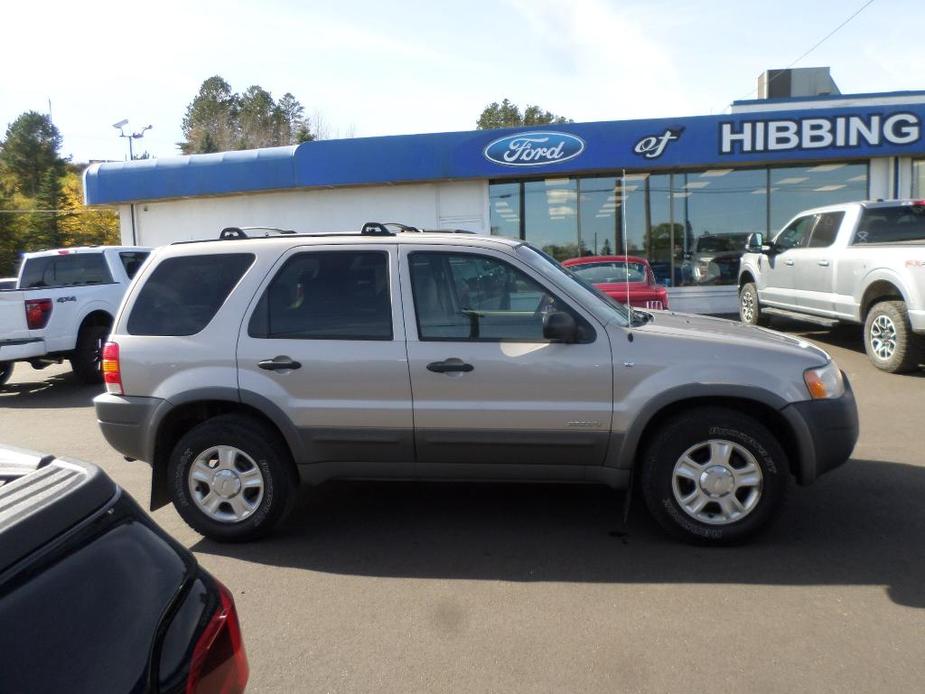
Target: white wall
{"x": 462, "y": 205}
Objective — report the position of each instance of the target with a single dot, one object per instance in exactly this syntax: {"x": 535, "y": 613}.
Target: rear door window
{"x": 826, "y": 229}
{"x": 182, "y": 295}
{"x": 327, "y": 295}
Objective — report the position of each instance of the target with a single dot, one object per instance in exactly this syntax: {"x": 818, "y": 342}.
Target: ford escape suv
{"x": 242, "y": 367}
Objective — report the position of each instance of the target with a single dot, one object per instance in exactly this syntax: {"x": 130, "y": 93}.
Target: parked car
{"x": 64, "y": 306}
{"x": 239, "y": 368}
{"x": 621, "y": 277}
{"x": 859, "y": 262}
{"x": 95, "y": 597}
{"x": 714, "y": 259}
{"x": 7, "y": 283}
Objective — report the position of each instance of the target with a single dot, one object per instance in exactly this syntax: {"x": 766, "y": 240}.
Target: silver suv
{"x": 242, "y": 367}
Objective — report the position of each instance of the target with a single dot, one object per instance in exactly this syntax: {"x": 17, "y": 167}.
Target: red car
{"x": 617, "y": 275}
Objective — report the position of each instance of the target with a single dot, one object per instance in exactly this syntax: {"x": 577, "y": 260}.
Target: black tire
{"x": 6, "y": 370}
{"x": 749, "y": 309}
{"x": 86, "y": 359}
{"x": 269, "y": 454}
{"x": 906, "y": 352}
{"x": 694, "y": 428}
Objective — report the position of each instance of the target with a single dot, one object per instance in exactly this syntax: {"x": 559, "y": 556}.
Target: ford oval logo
{"x": 534, "y": 149}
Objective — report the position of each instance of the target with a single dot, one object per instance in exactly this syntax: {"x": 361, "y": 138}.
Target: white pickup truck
{"x": 858, "y": 262}
{"x": 63, "y": 305}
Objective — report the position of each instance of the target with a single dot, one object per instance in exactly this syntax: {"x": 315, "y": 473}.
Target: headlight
{"x": 825, "y": 382}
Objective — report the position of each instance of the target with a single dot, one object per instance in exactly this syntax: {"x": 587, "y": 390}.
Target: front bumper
{"x": 126, "y": 423}
{"x": 826, "y": 432}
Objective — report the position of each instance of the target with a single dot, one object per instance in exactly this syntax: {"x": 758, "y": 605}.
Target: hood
{"x": 730, "y": 333}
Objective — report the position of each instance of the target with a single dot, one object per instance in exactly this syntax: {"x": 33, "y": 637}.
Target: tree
{"x": 30, "y": 150}
{"x": 80, "y": 225}
{"x": 508, "y": 115}
{"x": 210, "y": 123}
{"x": 43, "y": 224}
{"x": 218, "y": 119}
{"x": 9, "y": 241}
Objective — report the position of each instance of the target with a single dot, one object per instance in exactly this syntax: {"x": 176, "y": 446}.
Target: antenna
{"x": 626, "y": 266}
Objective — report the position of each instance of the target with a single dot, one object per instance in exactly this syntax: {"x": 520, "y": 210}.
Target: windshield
{"x": 610, "y": 271}
{"x": 719, "y": 244}
{"x": 891, "y": 224}
{"x": 548, "y": 266}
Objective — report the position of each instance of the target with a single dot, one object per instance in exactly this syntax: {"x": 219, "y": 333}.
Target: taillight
{"x": 219, "y": 663}
{"x": 112, "y": 373}
{"x": 38, "y": 311}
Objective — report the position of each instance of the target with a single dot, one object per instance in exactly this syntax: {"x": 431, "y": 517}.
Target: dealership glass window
{"x": 504, "y": 209}
{"x": 918, "y": 179}
{"x": 635, "y": 212}
{"x": 715, "y": 210}
{"x": 598, "y": 214}
{"x": 793, "y": 189}
{"x": 551, "y": 216}
{"x": 661, "y": 228}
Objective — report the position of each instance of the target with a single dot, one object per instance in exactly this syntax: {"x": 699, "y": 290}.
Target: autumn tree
{"x": 509, "y": 115}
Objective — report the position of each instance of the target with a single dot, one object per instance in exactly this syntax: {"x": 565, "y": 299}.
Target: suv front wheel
{"x": 231, "y": 478}
{"x": 714, "y": 476}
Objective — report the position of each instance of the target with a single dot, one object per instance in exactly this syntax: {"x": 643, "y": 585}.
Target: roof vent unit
{"x": 796, "y": 82}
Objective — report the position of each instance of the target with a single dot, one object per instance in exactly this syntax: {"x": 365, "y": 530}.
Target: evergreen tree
{"x": 508, "y": 115}
{"x": 30, "y": 150}
{"x": 210, "y": 123}
{"x": 44, "y": 231}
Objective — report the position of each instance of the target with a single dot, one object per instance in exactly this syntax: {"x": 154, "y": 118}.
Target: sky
{"x": 370, "y": 68}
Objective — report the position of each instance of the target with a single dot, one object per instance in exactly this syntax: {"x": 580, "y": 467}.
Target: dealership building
{"x": 682, "y": 192}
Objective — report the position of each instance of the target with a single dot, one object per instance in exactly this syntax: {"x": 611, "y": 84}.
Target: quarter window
{"x": 327, "y": 295}
{"x": 463, "y": 296}
{"x": 132, "y": 261}
{"x": 71, "y": 270}
{"x": 183, "y": 294}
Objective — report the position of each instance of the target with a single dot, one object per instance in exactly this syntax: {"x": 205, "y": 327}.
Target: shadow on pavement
{"x": 60, "y": 390}
{"x": 861, "y": 525}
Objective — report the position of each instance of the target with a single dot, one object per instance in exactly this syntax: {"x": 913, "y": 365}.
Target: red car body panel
{"x": 647, "y": 294}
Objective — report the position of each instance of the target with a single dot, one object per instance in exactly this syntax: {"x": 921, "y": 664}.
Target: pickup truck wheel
{"x": 231, "y": 479}
{"x": 6, "y": 370}
{"x": 714, "y": 476}
{"x": 749, "y": 309}
{"x": 86, "y": 359}
{"x": 888, "y": 338}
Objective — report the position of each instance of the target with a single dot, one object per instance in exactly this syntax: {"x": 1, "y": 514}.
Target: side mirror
{"x": 755, "y": 242}
{"x": 559, "y": 326}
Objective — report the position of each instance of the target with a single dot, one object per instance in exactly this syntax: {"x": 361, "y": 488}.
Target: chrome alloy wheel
{"x": 717, "y": 482}
{"x": 747, "y": 306}
{"x": 225, "y": 484}
{"x": 883, "y": 337}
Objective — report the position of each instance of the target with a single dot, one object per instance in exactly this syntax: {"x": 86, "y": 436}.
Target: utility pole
{"x": 131, "y": 156}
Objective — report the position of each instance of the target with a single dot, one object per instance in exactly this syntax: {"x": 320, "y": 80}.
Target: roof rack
{"x": 240, "y": 232}
{"x": 382, "y": 229}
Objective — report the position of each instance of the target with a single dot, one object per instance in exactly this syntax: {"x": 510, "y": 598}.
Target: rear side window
{"x": 891, "y": 224}
{"x": 183, "y": 294}
{"x": 826, "y": 229}
{"x": 71, "y": 270}
{"x": 132, "y": 261}
{"x": 327, "y": 295}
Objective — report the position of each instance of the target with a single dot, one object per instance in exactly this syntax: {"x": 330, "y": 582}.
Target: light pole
{"x": 131, "y": 156}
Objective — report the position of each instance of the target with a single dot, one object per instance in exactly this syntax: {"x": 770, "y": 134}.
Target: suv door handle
{"x": 450, "y": 365}
{"x": 280, "y": 363}
{"x": 788, "y": 261}
{"x": 824, "y": 263}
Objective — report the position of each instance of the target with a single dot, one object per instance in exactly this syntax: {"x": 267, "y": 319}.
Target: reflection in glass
{"x": 635, "y": 214}
{"x": 918, "y": 179}
{"x": 660, "y": 228}
{"x": 794, "y": 189}
{"x": 504, "y": 209}
{"x": 551, "y": 216}
{"x": 599, "y": 206}
{"x": 716, "y": 210}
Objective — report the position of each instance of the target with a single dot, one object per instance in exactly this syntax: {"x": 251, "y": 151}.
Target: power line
{"x": 818, "y": 43}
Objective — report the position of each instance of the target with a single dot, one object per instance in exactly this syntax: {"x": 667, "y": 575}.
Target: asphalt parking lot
{"x": 409, "y": 587}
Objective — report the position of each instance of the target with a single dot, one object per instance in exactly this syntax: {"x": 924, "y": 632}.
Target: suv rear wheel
{"x": 231, "y": 478}
{"x": 714, "y": 476}
{"x": 888, "y": 338}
